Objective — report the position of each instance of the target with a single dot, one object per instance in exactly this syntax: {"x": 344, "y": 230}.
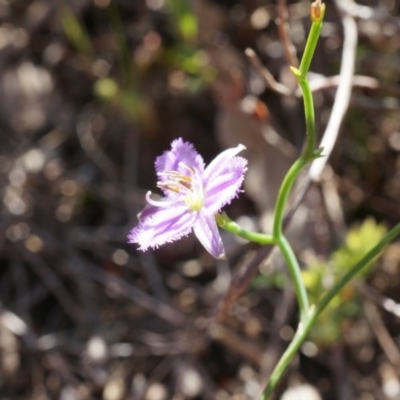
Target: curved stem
{"x": 309, "y": 117}
{"x": 307, "y": 323}
{"x": 295, "y": 273}
{"x": 281, "y": 241}
{"x": 225, "y": 223}
{"x": 283, "y": 195}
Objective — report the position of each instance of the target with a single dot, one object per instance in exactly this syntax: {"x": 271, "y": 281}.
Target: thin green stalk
{"x": 283, "y": 195}
{"x": 312, "y": 41}
{"x": 300, "y": 75}
{"x": 225, "y": 223}
{"x": 309, "y": 116}
{"x": 305, "y": 326}
{"x": 317, "y": 14}
{"x": 295, "y": 273}
{"x": 309, "y": 150}
{"x": 284, "y": 246}
{"x": 255, "y": 237}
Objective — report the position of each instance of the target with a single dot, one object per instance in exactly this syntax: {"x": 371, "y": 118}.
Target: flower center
{"x": 189, "y": 186}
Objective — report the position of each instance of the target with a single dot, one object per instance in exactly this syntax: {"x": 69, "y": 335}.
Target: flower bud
{"x": 317, "y": 10}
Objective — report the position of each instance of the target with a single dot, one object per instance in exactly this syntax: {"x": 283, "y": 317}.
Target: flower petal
{"x": 219, "y": 162}
{"x": 222, "y": 188}
{"x": 163, "y": 226}
{"x": 147, "y": 212}
{"x": 181, "y": 153}
{"x": 206, "y": 230}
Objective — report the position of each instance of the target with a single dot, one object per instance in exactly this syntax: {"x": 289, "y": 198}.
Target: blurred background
{"x": 91, "y": 91}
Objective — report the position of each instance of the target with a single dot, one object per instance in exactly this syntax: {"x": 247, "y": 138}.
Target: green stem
{"x": 309, "y": 117}
{"x": 295, "y": 273}
{"x": 308, "y": 155}
{"x": 284, "y": 246}
{"x": 309, "y": 150}
{"x": 283, "y": 195}
{"x": 300, "y": 75}
{"x": 225, "y": 223}
{"x": 308, "y": 322}
{"x": 311, "y": 44}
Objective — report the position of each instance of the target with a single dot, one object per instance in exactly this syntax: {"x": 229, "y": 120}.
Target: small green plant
{"x": 320, "y": 276}
{"x": 194, "y": 195}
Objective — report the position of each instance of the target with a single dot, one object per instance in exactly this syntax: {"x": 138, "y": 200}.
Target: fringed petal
{"x": 222, "y": 188}
{"x": 163, "y": 226}
{"x": 206, "y": 230}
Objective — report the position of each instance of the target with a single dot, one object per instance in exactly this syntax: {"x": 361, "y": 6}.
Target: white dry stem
{"x": 342, "y": 97}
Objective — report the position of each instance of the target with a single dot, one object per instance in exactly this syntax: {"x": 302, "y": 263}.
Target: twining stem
{"x": 307, "y": 323}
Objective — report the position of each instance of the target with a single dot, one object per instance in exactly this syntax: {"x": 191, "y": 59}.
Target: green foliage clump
{"x": 321, "y": 276}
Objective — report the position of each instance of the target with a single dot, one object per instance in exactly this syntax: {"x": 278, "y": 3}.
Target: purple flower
{"x": 193, "y": 196}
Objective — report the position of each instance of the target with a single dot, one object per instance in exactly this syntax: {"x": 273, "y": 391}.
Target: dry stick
{"x": 141, "y": 298}
{"x": 322, "y": 82}
{"x": 386, "y": 303}
{"x": 352, "y": 9}
{"x": 241, "y": 281}
{"x": 317, "y": 83}
{"x": 20, "y": 328}
{"x": 230, "y": 339}
{"x": 381, "y": 333}
{"x": 283, "y": 29}
{"x": 92, "y": 148}
{"x": 53, "y": 284}
{"x": 342, "y": 97}
{"x": 268, "y": 77}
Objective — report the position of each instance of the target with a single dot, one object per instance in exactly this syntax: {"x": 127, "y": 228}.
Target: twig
{"x": 230, "y": 339}
{"x": 54, "y": 284}
{"x": 351, "y": 8}
{"x": 332, "y": 203}
{"x": 149, "y": 303}
{"x": 317, "y": 83}
{"x": 269, "y": 79}
{"x": 93, "y": 150}
{"x": 385, "y": 341}
{"x": 283, "y": 29}
{"x": 385, "y": 302}
{"x": 241, "y": 282}
{"x": 342, "y": 97}
{"x": 320, "y": 82}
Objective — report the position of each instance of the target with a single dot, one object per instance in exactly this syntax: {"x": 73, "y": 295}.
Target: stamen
{"x": 178, "y": 182}
{"x": 169, "y": 186}
{"x": 187, "y": 185}
{"x": 159, "y": 203}
{"x": 175, "y": 174}
{"x": 191, "y": 169}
